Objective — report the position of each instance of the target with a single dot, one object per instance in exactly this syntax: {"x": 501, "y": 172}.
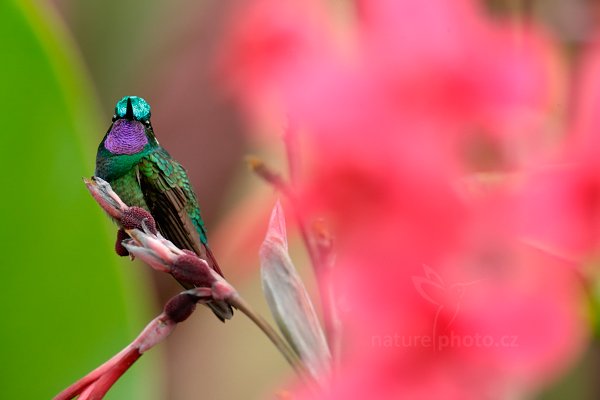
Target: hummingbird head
{"x": 132, "y": 108}
{"x": 131, "y": 130}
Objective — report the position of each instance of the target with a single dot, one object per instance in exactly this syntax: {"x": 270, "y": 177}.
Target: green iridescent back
{"x": 168, "y": 174}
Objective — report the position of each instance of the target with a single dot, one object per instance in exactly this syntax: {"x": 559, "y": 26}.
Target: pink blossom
{"x": 269, "y": 43}
{"x": 561, "y": 199}
{"x": 399, "y": 110}
{"x": 504, "y": 320}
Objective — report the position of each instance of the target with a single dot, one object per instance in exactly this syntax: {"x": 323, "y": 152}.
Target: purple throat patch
{"x": 126, "y": 137}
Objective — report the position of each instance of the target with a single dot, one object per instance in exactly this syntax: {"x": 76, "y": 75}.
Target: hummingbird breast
{"x": 127, "y": 187}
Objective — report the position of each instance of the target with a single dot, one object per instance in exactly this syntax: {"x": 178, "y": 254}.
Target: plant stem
{"x": 333, "y": 325}
{"x": 287, "y": 352}
{"x": 290, "y": 138}
{"x": 320, "y": 255}
{"x": 102, "y": 385}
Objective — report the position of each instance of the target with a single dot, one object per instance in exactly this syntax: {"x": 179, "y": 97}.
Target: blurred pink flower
{"x": 401, "y": 67}
{"x": 561, "y": 199}
{"x": 511, "y": 325}
{"x": 399, "y": 108}
{"x": 268, "y": 44}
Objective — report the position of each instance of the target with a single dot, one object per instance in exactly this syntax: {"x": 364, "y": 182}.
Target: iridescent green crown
{"x": 141, "y": 109}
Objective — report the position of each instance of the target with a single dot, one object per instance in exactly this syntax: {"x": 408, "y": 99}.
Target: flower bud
{"x": 191, "y": 269}
{"x": 180, "y": 307}
{"x": 136, "y": 217}
{"x": 119, "y": 248}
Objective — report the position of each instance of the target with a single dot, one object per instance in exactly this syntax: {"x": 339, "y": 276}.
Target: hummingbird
{"x": 143, "y": 174}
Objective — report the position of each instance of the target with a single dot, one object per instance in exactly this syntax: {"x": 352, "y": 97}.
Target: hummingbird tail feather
{"x": 222, "y": 310}
{"x": 212, "y": 261}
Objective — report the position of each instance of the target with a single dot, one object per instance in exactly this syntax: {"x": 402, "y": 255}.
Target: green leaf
{"x": 67, "y": 302}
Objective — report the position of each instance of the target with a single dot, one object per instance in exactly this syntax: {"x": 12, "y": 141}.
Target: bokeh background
{"x": 67, "y": 301}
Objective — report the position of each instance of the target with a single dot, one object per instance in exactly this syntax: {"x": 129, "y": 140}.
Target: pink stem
{"x": 78, "y": 387}
{"x": 319, "y": 257}
{"x": 102, "y": 385}
{"x": 290, "y": 138}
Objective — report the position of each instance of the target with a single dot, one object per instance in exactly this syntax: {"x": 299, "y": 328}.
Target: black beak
{"x": 129, "y": 113}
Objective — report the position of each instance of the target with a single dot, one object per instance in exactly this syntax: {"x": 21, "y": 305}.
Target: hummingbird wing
{"x": 172, "y": 203}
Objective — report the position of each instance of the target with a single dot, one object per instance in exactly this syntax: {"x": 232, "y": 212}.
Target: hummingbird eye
{"x": 114, "y": 117}
{"x": 147, "y": 123}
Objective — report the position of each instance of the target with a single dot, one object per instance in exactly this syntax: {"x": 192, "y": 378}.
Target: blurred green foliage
{"x": 117, "y": 39}
{"x": 63, "y": 302}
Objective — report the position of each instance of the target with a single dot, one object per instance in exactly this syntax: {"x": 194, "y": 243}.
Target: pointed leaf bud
{"x": 288, "y": 300}
{"x": 105, "y": 196}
